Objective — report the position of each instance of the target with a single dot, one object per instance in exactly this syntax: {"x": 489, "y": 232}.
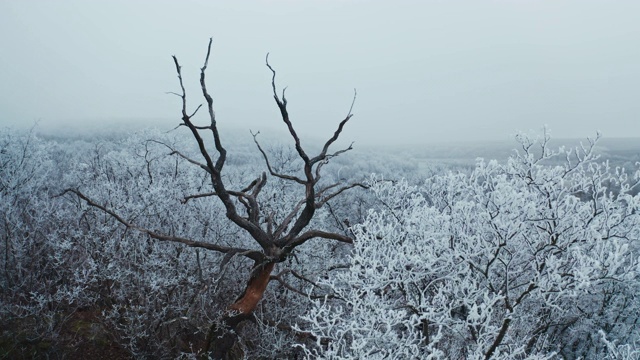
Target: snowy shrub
{"x": 519, "y": 260}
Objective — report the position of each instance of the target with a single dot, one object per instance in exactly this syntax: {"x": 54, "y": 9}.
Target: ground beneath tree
{"x": 81, "y": 336}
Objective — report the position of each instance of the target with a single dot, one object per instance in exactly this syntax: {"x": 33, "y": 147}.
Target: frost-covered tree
{"x": 516, "y": 260}
{"x": 25, "y": 164}
{"x": 64, "y": 264}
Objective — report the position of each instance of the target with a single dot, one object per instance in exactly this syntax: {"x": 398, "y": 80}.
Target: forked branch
{"x": 336, "y": 134}
{"x": 282, "y": 105}
{"x": 268, "y": 163}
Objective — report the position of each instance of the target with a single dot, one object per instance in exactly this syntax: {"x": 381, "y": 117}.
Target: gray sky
{"x": 425, "y": 71}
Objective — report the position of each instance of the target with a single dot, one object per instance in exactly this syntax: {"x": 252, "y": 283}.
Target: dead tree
{"x": 276, "y": 240}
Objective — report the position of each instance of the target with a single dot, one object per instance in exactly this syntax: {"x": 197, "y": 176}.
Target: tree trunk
{"x": 254, "y": 291}
{"x": 222, "y": 340}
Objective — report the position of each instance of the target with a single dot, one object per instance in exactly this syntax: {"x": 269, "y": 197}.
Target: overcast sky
{"x": 425, "y": 71}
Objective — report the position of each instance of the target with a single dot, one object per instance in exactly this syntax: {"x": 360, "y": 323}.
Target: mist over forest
{"x": 320, "y": 180}
{"x": 114, "y": 246}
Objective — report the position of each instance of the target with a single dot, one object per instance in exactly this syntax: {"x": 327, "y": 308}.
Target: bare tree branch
{"x": 340, "y": 191}
{"x": 197, "y": 196}
{"x": 176, "y": 152}
{"x": 311, "y": 234}
{"x": 287, "y": 220}
{"x": 223, "y": 194}
{"x": 309, "y": 206}
{"x": 282, "y": 105}
{"x": 336, "y": 134}
{"x": 194, "y": 113}
{"x": 251, "y": 254}
{"x": 266, "y": 159}
{"x": 285, "y": 284}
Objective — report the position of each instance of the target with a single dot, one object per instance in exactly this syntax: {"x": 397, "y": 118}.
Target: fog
{"x": 425, "y": 71}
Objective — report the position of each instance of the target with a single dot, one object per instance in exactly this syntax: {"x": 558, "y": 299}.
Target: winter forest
{"x": 197, "y": 242}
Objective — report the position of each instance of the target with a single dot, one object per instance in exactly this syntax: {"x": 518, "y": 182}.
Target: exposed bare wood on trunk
{"x": 254, "y": 291}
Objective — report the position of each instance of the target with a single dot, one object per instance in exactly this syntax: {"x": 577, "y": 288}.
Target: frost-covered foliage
{"x": 516, "y": 260}
{"x": 61, "y": 257}
{"x": 29, "y": 283}
{"x": 547, "y": 253}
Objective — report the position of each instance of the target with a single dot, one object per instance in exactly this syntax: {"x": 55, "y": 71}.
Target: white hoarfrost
{"x": 528, "y": 259}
